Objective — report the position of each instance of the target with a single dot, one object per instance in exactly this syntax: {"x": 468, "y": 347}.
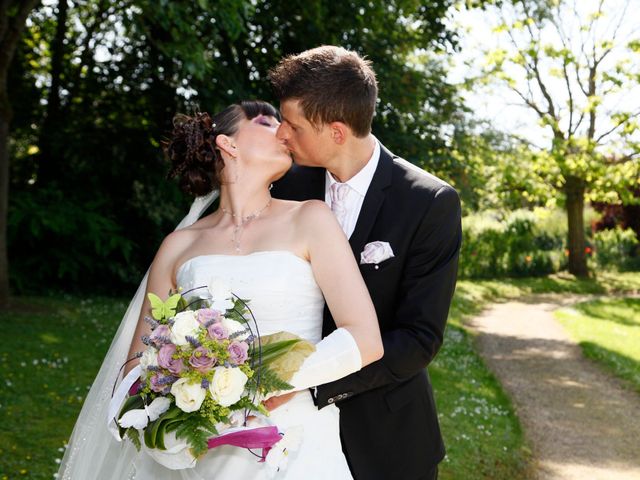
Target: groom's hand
{"x": 275, "y": 402}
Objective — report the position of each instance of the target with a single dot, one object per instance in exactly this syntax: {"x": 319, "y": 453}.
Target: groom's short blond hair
{"x": 332, "y": 84}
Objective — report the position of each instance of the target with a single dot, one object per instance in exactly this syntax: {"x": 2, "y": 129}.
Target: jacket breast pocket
{"x": 373, "y": 268}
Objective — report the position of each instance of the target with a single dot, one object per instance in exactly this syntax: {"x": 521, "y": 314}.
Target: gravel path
{"x": 581, "y": 422}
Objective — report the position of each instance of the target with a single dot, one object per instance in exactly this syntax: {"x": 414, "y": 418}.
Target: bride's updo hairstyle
{"x": 195, "y": 158}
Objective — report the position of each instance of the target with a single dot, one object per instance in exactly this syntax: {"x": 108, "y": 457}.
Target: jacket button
{"x": 330, "y": 400}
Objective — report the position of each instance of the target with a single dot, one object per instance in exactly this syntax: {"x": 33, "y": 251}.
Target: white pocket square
{"x": 376, "y": 252}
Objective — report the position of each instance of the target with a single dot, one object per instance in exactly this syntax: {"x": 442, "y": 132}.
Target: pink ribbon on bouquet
{"x": 261, "y": 437}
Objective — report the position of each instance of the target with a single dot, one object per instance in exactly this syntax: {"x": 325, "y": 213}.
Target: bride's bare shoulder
{"x": 313, "y": 212}
{"x": 174, "y": 244}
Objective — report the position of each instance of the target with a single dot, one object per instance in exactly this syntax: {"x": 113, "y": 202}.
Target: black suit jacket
{"x": 388, "y": 420}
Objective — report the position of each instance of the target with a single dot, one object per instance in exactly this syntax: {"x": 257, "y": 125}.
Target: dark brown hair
{"x": 192, "y": 149}
{"x": 332, "y": 84}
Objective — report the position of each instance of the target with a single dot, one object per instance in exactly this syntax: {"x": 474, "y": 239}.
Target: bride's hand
{"x": 275, "y": 402}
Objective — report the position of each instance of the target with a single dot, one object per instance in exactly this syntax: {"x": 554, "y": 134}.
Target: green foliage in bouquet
{"x": 195, "y": 429}
{"x": 267, "y": 364}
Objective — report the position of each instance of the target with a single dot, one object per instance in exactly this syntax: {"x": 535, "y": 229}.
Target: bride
{"x": 288, "y": 258}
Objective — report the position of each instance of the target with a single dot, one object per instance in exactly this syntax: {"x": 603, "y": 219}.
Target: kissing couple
{"x": 333, "y": 238}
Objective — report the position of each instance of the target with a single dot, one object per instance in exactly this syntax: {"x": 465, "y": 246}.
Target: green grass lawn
{"x": 51, "y": 351}
{"x": 483, "y": 436}
{"x": 53, "y": 348}
{"x": 608, "y": 331}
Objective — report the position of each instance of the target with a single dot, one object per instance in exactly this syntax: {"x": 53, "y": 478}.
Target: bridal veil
{"x": 92, "y": 452}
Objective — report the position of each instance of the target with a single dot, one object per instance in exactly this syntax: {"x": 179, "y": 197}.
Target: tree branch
{"x": 4, "y": 18}
{"x": 12, "y": 35}
{"x": 530, "y": 103}
{"x": 621, "y": 160}
{"x": 74, "y": 84}
{"x": 616, "y": 126}
{"x": 578, "y": 123}
{"x": 592, "y": 111}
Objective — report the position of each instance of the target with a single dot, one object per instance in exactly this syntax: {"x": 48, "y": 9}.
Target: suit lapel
{"x": 373, "y": 200}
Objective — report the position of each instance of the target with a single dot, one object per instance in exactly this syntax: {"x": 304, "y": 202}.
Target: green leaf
{"x": 155, "y": 430}
{"x": 134, "y": 436}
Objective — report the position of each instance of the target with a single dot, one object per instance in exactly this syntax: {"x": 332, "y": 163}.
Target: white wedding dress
{"x": 283, "y": 296}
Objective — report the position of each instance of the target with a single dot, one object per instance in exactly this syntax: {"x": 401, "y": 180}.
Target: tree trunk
{"x": 10, "y": 30}
{"x": 49, "y": 160}
{"x": 5, "y": 120}
{"x": 574, "y": 189}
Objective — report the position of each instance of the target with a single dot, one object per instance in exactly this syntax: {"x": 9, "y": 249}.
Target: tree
{"x": 572, "y": 64}
{"x": 13, "y": 15}
{"x": 493, "y": 170}
{"x": 101, "y": 80}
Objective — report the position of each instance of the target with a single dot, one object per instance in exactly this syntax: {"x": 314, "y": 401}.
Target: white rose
{"x": 232, "y": 326}
{"x": 189, "y": 396}
{"x": 221, "y": 296}
{"x": 227, "y": 385}
{"x": 149, "y": 359}
{"x": 185, "y": 324}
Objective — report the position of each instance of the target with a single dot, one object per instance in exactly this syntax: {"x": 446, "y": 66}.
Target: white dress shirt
{"x": 359, "y": 184}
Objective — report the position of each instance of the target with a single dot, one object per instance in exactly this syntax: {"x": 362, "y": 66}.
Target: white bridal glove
{"x": 336, "y": 356}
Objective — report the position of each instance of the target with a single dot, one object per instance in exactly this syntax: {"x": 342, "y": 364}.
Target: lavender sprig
{"x": 193, "y": 341}
{"x": 167, "y": 380}
{"x": 239, "y": 333}
{"x": 161, "y": 340}
{"x": 152, "y": 322}
{"x": 205, "y": 383}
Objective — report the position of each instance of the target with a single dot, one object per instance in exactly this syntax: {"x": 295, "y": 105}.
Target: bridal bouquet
{"x": 205, "y": 369}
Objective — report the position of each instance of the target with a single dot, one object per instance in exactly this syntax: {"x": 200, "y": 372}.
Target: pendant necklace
{"x": 237, "y": 229}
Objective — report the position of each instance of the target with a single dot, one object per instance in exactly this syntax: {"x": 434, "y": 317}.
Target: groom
{"x": 403, "y": 225}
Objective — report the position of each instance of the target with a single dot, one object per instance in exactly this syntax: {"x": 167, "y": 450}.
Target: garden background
{"x": 528, "y": 107}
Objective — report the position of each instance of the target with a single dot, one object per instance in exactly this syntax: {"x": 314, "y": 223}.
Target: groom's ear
{"x": 339, "y": 132}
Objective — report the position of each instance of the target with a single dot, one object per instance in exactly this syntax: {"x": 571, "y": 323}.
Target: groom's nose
{"x": 282, "y": 133}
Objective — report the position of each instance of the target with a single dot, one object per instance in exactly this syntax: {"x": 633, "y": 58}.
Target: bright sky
{"x": 503, "y": 107}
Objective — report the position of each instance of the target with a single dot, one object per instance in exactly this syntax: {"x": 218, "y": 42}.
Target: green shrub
{"x": 57, "y": 243}
{"x": 521, "y": 243}
{"x": 617, "y": 249}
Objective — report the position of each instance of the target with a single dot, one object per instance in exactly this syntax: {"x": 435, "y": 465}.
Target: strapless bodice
{"x": 282, "y": 292}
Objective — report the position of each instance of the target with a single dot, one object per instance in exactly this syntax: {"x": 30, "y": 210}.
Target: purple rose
{"x": 160, "y": 383}
{"x": 202, "y": 359}
{"x": 165, "y": 354}
{"x": 160, "y": 335}
{"x": 238, "y": 352}
{"x": 217, "y": 331}
{"x": 156, "y": 386}
{"x": 207, "y": 314}
{"x": 166, "y": 360}
{"x": 176, "y": 366}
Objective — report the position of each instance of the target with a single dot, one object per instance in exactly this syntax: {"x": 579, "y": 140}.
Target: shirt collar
{"x": 360, "y": 181}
